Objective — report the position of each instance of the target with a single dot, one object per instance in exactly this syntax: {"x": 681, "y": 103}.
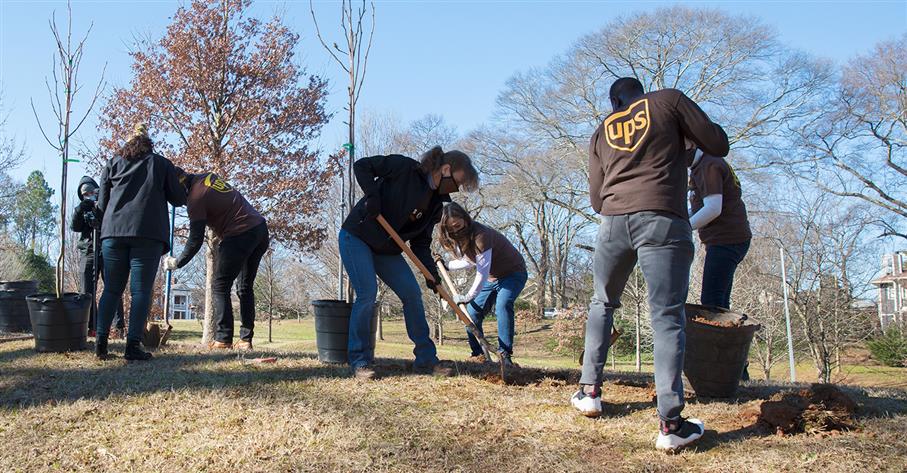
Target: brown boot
{"x": 243, "y": 345}
{"x": 216, "y": 345}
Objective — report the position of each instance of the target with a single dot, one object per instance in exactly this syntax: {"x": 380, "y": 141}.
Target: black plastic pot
{"x": 715, "y": 356}
{"x": 332, "y": 328}
{"x": 59, "y": 325}
{"x": 13, "y": 308}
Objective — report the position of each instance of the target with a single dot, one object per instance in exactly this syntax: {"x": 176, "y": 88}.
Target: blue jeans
{"x": 363, "y": 266}
{"x": 505, "y": 290}
{"x": 718, "y": 273}
{"x": 137, "y": 260}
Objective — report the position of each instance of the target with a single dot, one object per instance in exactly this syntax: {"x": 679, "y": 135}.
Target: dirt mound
{"x": 821, "y": 408}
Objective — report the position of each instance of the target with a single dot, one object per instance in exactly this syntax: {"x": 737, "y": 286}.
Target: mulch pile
{"x": 822, "y": 408}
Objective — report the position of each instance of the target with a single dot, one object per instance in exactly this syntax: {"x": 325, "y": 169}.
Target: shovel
{"x": 460, "y": 313}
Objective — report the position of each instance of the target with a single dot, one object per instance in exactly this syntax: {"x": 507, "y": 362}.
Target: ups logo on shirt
{"x": 626, "y": 130}
{"x": 216, "y": 183}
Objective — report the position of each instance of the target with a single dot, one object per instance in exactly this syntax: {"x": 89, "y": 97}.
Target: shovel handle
{"x": 471, "y": 327}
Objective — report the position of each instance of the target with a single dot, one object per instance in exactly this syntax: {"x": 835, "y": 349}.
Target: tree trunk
{"x": 379, "y": 311}
{"x": 210, "y": 324}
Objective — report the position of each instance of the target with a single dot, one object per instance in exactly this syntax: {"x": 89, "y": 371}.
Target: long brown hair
{"x": 465, "y": 243}
{"x": 137, "y": 147}
{"x": 436, "y": 157}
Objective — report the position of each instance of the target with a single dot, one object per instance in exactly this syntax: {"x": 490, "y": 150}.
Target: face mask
{"x": 448, "y": 185}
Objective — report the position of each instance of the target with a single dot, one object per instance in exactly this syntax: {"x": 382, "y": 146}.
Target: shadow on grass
{"x": 41, "y": 380}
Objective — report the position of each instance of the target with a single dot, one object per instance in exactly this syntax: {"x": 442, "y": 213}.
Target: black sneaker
{"x": 100, "y": 348}
{"x": 134, "y": 352}
{"x": 676, "y": 434}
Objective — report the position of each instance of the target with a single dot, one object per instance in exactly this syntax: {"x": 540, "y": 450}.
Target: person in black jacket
{"x": 410, "y": 194}
{"x": 244, "y": 237}
{"x": 86, "y": 222}
{"x": 135, "y": 188}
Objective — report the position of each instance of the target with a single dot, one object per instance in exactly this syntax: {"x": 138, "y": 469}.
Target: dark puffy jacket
{"x": 134, "y": 195}
{"x": 80, "y": 219}
{"x": 408, "y": 203}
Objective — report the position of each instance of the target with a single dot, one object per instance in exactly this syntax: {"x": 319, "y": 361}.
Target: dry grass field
{"x": 192, "y": 410}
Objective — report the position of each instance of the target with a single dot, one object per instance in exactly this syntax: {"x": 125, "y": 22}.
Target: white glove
{"x": 169, "y": 263}
{"x": 461, "y": 299}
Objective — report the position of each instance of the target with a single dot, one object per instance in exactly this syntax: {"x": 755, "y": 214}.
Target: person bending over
{"x": 215, "y": 204}
{"x": 500, "y": 274}
{"x": 410, "y": 195}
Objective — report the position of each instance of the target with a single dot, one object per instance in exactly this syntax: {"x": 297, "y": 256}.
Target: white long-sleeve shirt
{"x": 711, "y": 204}
{"x": 483, "y": 271}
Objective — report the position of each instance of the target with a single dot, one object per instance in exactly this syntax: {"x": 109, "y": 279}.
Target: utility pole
{"x": 790, "y": 338}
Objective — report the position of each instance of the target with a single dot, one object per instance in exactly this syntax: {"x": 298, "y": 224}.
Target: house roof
{"x": 890, "y": 279}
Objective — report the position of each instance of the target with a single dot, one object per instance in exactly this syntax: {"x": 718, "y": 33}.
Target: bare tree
{"x": 354, "y": 61}
{"x": 63, "y": 94}
{"x": 825, "y": 241}
{"x": 734, "y": 66}
{"x": 856, "y": 147}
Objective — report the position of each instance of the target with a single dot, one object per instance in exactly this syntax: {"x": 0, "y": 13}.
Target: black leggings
{"x": 238, "y": 258}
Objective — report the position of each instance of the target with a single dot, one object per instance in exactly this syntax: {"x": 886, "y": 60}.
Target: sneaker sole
{"x": 675, "y": 449}
{"x": 590, "y": 414}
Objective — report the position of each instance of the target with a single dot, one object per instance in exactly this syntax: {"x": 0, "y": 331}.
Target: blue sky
{"x": 449, "y": 58}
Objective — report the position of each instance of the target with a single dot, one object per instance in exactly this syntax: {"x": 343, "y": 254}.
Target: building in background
{"x": 892, "y": 286}
{"x": 181, "y": 307}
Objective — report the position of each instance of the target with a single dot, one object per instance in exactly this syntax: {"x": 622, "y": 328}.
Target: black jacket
{"x": 134, "y": 195}
{"x": 82, "y": 218}
{"x": 408, "y": 203}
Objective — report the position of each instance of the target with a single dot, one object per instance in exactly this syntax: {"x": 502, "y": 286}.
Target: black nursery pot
{"x": 59, "y": 325}
{"x": 13, "y": 308}
{"x": 332, "y": 327}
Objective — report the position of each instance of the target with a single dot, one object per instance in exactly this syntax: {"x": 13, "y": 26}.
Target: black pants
{"x": 86, "y": 266}
{"x": 238, "y": 258}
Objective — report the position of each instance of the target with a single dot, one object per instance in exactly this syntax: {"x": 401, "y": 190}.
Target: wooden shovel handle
{"x": 438, "y": 287}
{"x": 449, "y": 281}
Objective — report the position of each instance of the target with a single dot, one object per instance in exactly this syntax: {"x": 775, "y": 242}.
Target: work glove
{"x": 372, "y": 207}
{"x": 433, "y": 285}
{"x": 169, "y": 263}
{"x": 461, "y": 299}
{"x": 86, "y": 205}
{"x": 95, "y": 222}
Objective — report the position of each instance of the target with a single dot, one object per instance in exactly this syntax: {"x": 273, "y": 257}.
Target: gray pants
{"x": 663, "y": 245}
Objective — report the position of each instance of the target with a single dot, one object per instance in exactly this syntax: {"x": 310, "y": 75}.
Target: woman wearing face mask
{"x": 500, "y": 273}
{"x": 410, "y": 195}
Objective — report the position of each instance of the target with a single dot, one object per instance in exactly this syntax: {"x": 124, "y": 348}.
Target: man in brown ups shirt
{"x": 638, "y": 184}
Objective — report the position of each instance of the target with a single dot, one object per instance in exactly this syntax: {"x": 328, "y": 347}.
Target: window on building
{"x": 179, "y": 315}
{"x": 179, "y": 300}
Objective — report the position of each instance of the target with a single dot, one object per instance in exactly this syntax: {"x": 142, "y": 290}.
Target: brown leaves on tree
{"x": 222, "y": 93}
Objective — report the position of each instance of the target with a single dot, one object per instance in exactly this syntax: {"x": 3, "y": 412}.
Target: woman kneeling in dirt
{"x": 500, "y": 274}
{"x": 410, "y": 195}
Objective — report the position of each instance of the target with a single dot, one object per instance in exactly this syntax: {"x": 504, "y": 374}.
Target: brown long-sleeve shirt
{"x": 637, "y": 157}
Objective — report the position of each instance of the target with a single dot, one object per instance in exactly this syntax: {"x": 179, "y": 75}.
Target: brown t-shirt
{"x": 505, "y": 259}
{"x": 712, "y": 176}
{"x": 637, "y": 157}
{"x": 226, "y": 211}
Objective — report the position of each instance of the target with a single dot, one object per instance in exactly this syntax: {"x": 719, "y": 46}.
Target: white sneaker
{"x": 674, "y": 435}
{"x": 589, "y": 406}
